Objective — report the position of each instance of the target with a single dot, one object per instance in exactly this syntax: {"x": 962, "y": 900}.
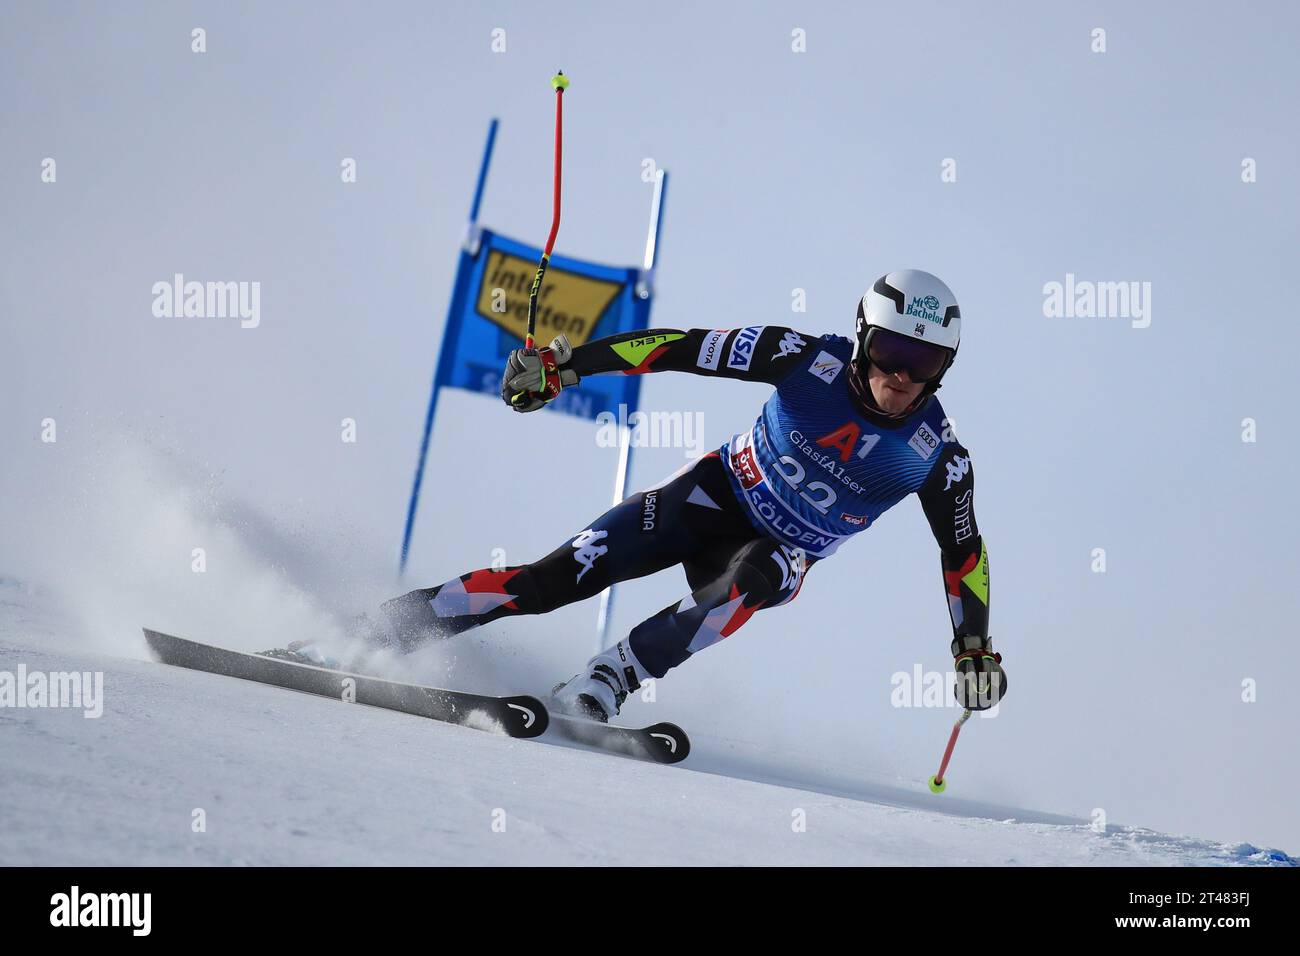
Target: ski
{"x": 518, "y": 716}
{"x": 662, "y": 742}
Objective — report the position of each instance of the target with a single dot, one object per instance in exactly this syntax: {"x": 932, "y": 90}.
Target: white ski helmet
{"x": 918, "y": 315}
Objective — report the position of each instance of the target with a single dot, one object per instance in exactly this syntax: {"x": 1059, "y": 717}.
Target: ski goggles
{"x": 891, "y": 352}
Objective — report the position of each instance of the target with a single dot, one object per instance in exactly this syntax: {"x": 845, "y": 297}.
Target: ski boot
{"x": 599, "y": 691}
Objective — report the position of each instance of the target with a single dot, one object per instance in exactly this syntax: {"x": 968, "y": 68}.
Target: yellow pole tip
{"x": 559, "y": 81}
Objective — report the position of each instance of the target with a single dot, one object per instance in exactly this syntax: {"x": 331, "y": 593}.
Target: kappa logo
{"x": 710, "y": 349}
{"x": 826, "y": 367}
{"x": 742, "y": 348}
{"x": 791, "y": 344}
{"x": 925, "y": 441}
{"x": 586, "y": 551}
{"x": 957, "y": 469}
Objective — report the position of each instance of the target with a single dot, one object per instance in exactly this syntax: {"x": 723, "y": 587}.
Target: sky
{"x": 1164, "y": 160}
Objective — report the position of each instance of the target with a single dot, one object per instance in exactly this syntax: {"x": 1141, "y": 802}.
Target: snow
{"x": 287, "y": 778}
{"x": 248, "y": 486}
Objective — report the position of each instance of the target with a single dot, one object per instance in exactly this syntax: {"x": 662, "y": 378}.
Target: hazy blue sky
{"x": 817, "y": 170}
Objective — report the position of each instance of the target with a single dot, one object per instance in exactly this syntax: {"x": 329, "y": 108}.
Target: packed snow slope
{"x": 277, "y": 777}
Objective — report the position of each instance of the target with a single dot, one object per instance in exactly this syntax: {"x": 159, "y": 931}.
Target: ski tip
{"x": 669, "y": 743}
{"x": 155, "y": 640}
{"x": 525, "y": 716}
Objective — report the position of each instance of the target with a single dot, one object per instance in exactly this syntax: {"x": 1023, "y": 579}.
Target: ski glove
{"x": 981, "y": 681}
{"x": 534, "y": 377}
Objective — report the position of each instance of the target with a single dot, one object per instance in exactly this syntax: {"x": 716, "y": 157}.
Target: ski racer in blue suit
{"x": 852, "y": 427}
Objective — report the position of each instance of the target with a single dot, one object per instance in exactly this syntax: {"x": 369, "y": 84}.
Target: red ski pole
{"x": 937, "y": 783}
{"x": 559, "y": 83}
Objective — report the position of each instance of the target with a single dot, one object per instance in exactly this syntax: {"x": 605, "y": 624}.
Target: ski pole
{"x": 559, "y": 83}
{"x": 937, "y": 783}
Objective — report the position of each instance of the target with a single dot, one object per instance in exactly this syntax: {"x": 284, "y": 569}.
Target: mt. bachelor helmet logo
{"x": 925, "y": 308}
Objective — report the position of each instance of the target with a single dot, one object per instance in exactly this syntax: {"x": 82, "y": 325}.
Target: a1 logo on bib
{"x": 924, "y": 441}
{"x": 826, "y": 367}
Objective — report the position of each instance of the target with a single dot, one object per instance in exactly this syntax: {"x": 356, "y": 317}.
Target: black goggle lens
{"x": 891, "y": 352}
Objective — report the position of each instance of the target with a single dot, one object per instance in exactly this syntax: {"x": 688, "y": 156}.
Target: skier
{"x": 852, "y": 428}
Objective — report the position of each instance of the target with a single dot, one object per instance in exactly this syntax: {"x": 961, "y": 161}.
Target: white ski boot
{"x": 599, "y": 691}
